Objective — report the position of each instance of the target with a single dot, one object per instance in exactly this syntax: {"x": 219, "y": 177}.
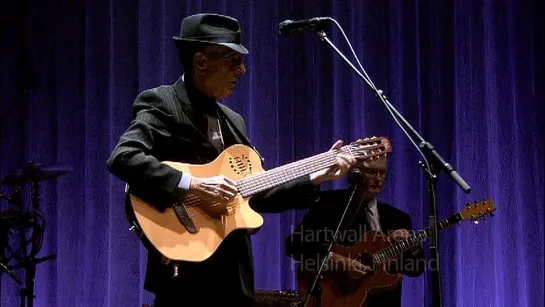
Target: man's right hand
{"x": 352, "y": 269}
{"x": 219, "y": 190}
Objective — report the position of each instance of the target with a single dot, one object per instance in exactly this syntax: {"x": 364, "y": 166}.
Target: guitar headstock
{"x": 370, "y": 148}
{"x": 478, "y": 209}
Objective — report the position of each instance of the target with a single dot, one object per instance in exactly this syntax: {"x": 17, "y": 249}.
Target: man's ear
{"x": 199, "y": 62}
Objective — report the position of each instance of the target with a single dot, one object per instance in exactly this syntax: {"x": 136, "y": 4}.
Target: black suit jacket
{"x": 167, "y": 127}
{"x": 309, "y": 240}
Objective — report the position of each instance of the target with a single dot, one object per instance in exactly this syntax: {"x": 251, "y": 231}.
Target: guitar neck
{"x": 277, "y": 176}
{"x": 400, "y": 247}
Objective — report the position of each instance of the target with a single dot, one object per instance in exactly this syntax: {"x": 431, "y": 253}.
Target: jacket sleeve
{"x": 132, "y": 160}
{"x": 296, "y": 194}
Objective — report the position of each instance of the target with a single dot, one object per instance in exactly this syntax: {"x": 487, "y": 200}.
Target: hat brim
{"x": 236, "y": 47}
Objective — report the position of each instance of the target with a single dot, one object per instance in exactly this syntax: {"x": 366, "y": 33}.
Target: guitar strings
{"x": 254, "y": 184}
{"x": 260, "y": 181}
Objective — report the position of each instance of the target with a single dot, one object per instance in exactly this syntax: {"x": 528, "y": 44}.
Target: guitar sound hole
{"x": 240, "y": 164}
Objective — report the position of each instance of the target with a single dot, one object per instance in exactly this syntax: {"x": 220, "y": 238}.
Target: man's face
{"x": 373, "y": 176}
{"x": 221, "y": 69}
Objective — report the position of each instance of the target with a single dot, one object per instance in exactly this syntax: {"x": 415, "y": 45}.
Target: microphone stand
{"x": 315, "y": 289}
{"x": 431, "y": 171}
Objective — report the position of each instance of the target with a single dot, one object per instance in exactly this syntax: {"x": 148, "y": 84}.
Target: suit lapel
{"x": 385, "y": 223}
{"x": 230, "y": 121}
{"x": 188, "y": 115}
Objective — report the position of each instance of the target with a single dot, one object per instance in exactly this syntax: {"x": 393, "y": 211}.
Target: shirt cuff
{"x": 185, "y": 182}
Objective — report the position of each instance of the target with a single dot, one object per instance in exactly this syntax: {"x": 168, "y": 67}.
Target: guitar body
{"x": 171, "y": 238}
{"x": 374, "y": 250}
{"x": 171, "y": 233}
{"x": 336, "y": 292}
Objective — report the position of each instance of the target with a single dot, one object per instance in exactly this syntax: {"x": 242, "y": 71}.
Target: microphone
{"x": 289, "y": 26}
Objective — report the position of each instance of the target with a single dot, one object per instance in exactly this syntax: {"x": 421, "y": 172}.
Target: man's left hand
{"x": 337, "y": 171}
{"x": 398, "y": 235}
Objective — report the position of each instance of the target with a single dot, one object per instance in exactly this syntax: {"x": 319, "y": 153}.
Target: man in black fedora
{"x": 184, "y": 122}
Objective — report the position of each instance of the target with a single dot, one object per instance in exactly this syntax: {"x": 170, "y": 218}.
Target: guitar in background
{"x": 374, "y": 250}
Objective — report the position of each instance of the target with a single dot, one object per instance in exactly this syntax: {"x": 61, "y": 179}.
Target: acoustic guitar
{"x": 375, "y": 251}
{"x": 192, "y": 230}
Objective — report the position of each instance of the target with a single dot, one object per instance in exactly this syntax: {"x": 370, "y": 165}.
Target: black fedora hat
{"x": 212, "y": 29}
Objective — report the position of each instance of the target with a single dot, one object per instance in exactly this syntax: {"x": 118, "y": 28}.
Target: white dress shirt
{"x": 372, "y": 215}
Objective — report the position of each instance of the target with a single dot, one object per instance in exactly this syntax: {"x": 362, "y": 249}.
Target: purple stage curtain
{"x": 468, "y": 74}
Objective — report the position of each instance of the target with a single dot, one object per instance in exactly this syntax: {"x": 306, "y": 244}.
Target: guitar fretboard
{"x": 400, "y": 247}
{"x": 277, "y": 176}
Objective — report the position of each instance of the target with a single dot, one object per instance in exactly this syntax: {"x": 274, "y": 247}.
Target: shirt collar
{"x": 372, "y": 205}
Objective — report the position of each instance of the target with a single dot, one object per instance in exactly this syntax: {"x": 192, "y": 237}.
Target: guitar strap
{"x": 183, "y": 216}
{"x": 177, "y": 205}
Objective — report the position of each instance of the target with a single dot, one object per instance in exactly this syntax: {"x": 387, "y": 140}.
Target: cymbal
{"x": 35, "y": 173}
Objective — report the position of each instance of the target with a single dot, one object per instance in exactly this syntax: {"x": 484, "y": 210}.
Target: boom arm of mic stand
{"x": 315, "y": 288}
{"x": 430, "y": 149}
